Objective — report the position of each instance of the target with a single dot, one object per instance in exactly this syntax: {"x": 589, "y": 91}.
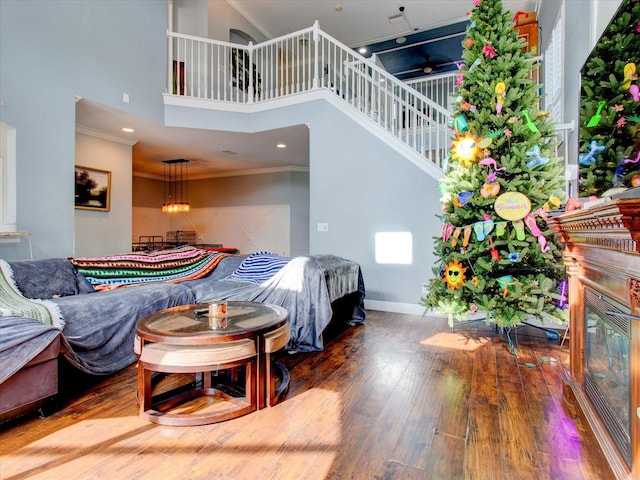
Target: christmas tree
{"x": 496, "y": 253}
{"x": 610, "y": 107}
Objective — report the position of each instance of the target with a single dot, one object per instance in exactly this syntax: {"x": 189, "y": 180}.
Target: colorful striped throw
{"x": 259, "y": 267}
{"x": 172, "y": 265}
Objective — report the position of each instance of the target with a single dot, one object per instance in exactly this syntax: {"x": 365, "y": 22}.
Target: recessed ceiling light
{"x": 338, "y": 8}
{"x": 363, "y": 50}
{"x": 281, "y": 145}
{"x": 127, "y": 129}
{"x": 401, "y": 39}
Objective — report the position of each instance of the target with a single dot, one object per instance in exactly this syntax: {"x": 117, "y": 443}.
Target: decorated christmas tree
{"x": 497, "y": 256}
{"x": 610, "y": 107}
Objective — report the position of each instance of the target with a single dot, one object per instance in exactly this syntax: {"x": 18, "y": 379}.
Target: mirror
{"x": 609, "y": 156}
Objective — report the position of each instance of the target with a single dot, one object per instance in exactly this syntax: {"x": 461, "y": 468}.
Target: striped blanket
{"x": 12, "y": 302}
{"x": 259, "y": 267}
{"x": 173, "y": 265}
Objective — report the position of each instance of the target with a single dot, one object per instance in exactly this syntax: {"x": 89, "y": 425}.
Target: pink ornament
{"x": 630, "y": 160}
{"x": 489, "y": 51}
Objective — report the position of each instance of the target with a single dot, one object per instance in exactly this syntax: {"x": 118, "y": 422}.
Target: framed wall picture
{"x": 93, "y": 189}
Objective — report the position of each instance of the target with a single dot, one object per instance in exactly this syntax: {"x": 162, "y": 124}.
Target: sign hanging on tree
{"x": 512, "y": 206}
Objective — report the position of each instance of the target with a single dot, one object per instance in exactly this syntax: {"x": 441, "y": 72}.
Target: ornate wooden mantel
{"x": 602, "y": 251}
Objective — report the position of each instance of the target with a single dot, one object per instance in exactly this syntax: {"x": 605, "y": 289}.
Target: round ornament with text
{"x": 512, "y": 206}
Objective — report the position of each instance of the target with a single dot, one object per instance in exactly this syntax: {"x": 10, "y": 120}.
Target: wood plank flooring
{"x": 400, "y": 397}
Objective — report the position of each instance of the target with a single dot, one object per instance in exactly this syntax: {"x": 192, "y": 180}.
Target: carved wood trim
{"x": 634, "y": 295}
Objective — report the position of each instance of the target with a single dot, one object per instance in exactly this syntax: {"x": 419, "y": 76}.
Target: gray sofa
{"x": 99, "y": 327}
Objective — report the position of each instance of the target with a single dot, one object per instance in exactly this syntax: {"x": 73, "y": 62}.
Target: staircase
{"x": 304, "y": 62}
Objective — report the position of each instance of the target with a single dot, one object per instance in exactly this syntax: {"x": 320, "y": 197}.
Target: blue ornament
{"x": 589, "y": 158}
{"x": 537, "y": 159}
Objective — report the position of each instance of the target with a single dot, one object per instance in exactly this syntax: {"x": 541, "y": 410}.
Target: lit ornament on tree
{"x": 466, "y": 149}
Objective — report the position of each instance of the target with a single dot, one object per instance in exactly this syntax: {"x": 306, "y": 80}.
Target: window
{"x": 8, "y": 221}
{"x": 394, "y": 247}
{"x": 553, "y": 71}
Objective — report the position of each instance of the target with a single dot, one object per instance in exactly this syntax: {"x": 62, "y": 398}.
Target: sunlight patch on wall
{"x": 394, "y": 248}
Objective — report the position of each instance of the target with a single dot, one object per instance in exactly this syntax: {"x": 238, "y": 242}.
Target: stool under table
{"x": 229, "y": 360}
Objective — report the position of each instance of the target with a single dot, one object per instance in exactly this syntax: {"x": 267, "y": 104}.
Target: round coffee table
{"x": 186, "y": 339}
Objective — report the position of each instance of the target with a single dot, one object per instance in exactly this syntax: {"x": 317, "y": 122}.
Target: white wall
{"x": 250, "y": 228}
{"x": 51, "y": 51}
{"x": 105, "y": 233}
{"x": 271, "y": 209}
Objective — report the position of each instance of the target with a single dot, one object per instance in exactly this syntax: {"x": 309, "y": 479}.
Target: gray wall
{"x": 51, "y": 51}
{"x": 358, "y": 185}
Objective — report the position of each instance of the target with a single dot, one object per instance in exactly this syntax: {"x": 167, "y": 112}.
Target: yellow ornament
{"x": 499, "y": 91}
{"x": 466, "y": 149}
{"x": 454, "y": 275}
{"x": 629, "y": 75}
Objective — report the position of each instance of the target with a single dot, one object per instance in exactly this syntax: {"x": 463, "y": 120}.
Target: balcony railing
{"x": 301, "y": 62}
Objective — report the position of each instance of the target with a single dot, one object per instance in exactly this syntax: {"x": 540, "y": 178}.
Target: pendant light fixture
{"x": 175, "y": 186}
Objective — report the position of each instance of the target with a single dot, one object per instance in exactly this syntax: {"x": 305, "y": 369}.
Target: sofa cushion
{"x": 51, "y": 278}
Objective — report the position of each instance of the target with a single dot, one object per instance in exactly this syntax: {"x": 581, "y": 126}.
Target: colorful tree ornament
{"x": 466, "y": 149}
{"x": 589, "y": 158}
{"x": 454, "y": 275}
{"x": 505, "y": 282}
{"x": 489, "y": 51}
{"x": 595, "y": 119}
{"x": 460, "y": 123}
{"x": 500, "y": 97}
{"x": 629, "y": 75}
{"x": 537, "y": 160}
{"x": 490, "y": 190}
{"x": 512, "y": 206}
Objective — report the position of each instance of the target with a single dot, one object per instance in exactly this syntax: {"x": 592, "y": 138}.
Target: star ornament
{"x": 466, "y": 148}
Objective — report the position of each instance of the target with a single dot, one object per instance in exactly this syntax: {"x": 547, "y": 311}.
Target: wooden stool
{"x": 199, "y": 359}
{"x": 274, "y": 341}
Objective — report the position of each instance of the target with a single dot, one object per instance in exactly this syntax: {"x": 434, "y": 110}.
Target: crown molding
{"x": 231, "y": 173}
{"x": 98, "y": 134}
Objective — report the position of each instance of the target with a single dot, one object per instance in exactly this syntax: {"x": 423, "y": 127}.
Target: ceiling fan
{"x": 430, "y": 63}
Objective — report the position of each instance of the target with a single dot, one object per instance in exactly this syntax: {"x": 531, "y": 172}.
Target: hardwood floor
{"x": 400, "y": 397}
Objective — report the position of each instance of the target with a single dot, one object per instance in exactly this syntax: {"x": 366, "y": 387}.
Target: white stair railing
{"x": 439, "y": 88}
{"x": 301, "y": 62}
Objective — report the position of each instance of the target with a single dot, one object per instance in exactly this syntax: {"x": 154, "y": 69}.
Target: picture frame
{"x": 93, "y": 189}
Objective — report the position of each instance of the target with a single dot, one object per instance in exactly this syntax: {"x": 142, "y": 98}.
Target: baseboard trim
{"x": 394, "y": 307}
